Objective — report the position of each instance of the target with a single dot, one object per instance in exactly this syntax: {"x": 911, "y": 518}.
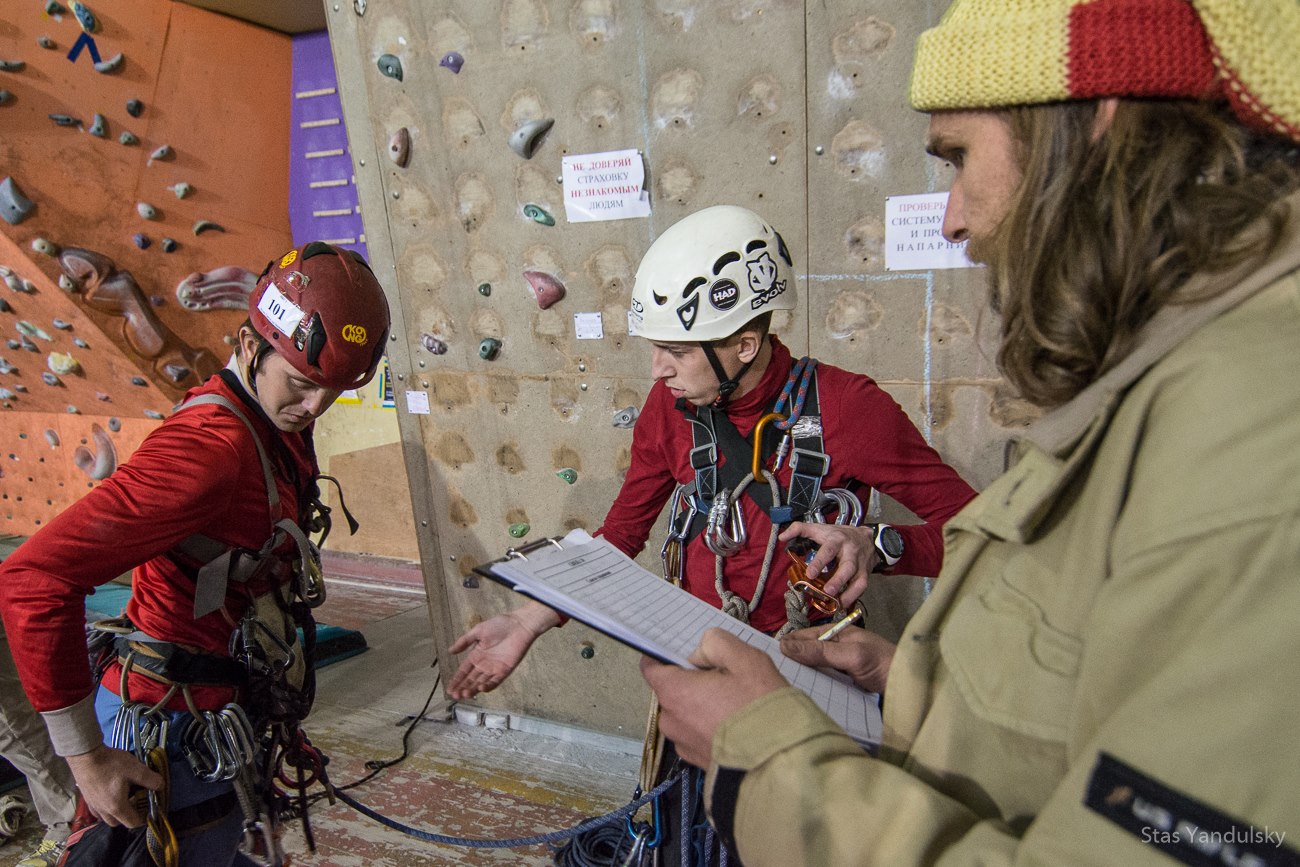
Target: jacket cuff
{"x": 748, "y": 739}
{"x": 74, "y": 729}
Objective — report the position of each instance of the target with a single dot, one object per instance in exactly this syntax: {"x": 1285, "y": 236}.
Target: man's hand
{"x": 499, "y": 645}
{"x": 853, "y": 547}
{"x": 104, "y": 777}
{"x": 692, "y": 704}
{"x": 862, "y": 655}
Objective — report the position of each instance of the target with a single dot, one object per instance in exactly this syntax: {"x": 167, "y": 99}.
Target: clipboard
{"x": 594, "y": 583}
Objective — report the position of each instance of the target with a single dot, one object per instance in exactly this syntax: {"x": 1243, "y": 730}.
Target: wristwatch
{"x": 889, "y": 545}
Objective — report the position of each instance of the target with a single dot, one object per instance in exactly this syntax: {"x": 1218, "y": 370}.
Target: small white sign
{"x": 280, "y": 311}
{"x": 914, "y": 235}
{"x": 417, "y": 402}
{"x": 605, "y": 186}
{"x": 588, "y": 326}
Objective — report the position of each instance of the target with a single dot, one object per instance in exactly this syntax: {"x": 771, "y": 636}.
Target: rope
{"x": 733, "y": 605}
{"x": 802, "y": 371}
{"x": 517, "y": 842}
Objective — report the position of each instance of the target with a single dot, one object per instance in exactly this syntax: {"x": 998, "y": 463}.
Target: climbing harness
{"x": 262, "y": 752}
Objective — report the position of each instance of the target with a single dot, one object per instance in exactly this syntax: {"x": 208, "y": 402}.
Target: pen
{"x": 853, "y": 617}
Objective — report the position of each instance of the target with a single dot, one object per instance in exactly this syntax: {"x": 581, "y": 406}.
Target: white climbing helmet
{"x": 708, "y": 275}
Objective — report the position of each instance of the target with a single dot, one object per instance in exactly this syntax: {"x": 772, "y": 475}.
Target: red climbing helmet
{"x": 321, "y": 307}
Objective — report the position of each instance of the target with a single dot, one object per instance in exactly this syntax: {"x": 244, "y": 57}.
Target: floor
{"x": 459, "y": 780}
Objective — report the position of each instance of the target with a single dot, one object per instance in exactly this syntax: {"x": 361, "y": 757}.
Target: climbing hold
{"x": 45, "y": 42}
{"x": 201, "y": 226}
{"x": 27, "y": 329}
{"x": 224, "y": 288}
{"x": 115, "y": 424}
{"x": 134, "y": 107}
{"x": 79, "y": 343}
{"x": 538, "y": 214}
{"x": 128, "y": 138}
{"x": 452, "y": 60}
{"x": 141, "y": 240}
{"x": 359, "y": 6}
{"x": 161, "y": 152}
{"x": 485, "y": 289}
{"x": 99, "y": 127}
{"x": 138, "y": 380}
{"x": 13, "y": 344}
{"x": 626, "y": 418}
{"x": 49, "y": 378}
{"x": 181, "y": 190}
{"x": 157, "y": 300}
{"x": 169, "y": 245}
{"x": 12, "y": 65}
{"x": 177, "y": 373}
{"x": 433, "y": 344}
{"x": 52, "y": 437}
{"x": 85, "y": 17}
{"x": 13, "y": 281}
{"x": 588, "y": 650}
{"x": 489, "y": 348}
{"x": 65, "y": 120}
{"x": 389, "y": 65}
{"x": 519, "y": 530}
{"x": 146, "y": 210}
{"x": 66, "y": 284}
{"x": 53, "y": 7}
{"x": 5, "y": 96}
{"x": 99, "y": 395}
{"x": 20, "y": 388}
{"x": 6, "y": 394}
{"x": 63, "y": 324}
{"x": 547, "y": 289}
{"x": 14, "y": 206}
{"x": 6, "y": 367}
{"x": 62, "y": 364}
{"x": 28, "y": 345}
{"x": 399, "y": 147}
{"x": 153, "y": 414}
{"x": 5, "y": 308}
{"x": 101, "y": 463}
{"x": 113, "y": 64}
{"x": 72, "y": 410}
{"x": 525, "y": 140}
{"x": 41, "y": 245}
{"x": 568, "y": 474}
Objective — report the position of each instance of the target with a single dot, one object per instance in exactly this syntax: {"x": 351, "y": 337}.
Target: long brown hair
{"x": 1104, "y": 230}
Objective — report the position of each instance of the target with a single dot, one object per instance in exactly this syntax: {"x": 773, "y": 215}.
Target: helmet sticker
{"x": 762, "y": 279}
{"x": 724, "y": 294}
{"x": 280, "y": 311}
{"x": 637, "y": 306}
{"x": 688, "y": 311}
{"x": 355, "y": 334}
{"x": 762, "y": 273}
{"x": 289, "y": 258}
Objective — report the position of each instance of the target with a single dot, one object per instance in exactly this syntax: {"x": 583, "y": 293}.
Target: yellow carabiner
{"x": 757, "y": 467}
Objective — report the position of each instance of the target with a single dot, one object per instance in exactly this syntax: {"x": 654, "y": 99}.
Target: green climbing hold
{"x": 538, "y": 214}
{"x": 519, "y": 531}
{"x": 568, "y": 474}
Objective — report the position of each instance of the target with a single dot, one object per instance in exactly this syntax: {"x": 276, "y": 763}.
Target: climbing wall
{"x": 144, "y": 154}
{"x": 508, "y": 412}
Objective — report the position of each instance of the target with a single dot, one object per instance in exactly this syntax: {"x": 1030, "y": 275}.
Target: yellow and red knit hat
{"x": 990, "y": 53}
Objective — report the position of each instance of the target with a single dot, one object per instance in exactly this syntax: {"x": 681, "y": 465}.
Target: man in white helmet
{"x": 704, "y": 295}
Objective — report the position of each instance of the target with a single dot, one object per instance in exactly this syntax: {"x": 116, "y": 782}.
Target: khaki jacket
{"x": 1108, "y": 669}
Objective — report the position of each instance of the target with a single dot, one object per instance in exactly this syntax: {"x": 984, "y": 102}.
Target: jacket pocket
{"x": 1010, "y": 664}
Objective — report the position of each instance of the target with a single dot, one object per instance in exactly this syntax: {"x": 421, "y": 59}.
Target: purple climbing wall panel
{"x": 322, "y": 193}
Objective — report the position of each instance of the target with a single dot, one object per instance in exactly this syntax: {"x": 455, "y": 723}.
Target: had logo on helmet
{"x": 724, "y": 294}
{"x": 355, "y": 334}
{"x": 289, "y": 258}
{"x": 762, "y": 279}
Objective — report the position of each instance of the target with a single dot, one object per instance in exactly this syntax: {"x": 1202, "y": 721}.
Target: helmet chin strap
{"x": 726, "y": 384}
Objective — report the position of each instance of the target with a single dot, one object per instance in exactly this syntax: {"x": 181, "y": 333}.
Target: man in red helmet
{"x": 213, "y": 513}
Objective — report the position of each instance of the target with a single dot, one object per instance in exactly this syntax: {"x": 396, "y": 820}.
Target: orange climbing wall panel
{"x": 216, "y": 91}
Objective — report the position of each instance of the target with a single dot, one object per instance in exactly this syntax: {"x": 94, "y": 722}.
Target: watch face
{"x": 891, "y": 542}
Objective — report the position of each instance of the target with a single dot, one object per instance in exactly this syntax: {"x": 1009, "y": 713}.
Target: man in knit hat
{"x": 1106, "y": 670}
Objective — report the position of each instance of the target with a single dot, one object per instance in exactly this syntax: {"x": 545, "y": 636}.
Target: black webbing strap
{"x": 732, "y": 458}
{"x": 809, "y": 462}
{"x": 174, "y": 664}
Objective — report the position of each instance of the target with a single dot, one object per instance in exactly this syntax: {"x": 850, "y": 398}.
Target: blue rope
{"x": 517, "y": 842}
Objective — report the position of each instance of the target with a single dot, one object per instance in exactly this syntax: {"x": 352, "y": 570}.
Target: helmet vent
{"x": 693, "y": 286}
{"x": 724, "y": 260}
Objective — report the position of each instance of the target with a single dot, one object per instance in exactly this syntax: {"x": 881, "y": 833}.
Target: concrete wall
{"x": 794, "y": 109}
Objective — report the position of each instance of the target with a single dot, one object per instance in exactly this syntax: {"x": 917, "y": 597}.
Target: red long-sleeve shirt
{"x": 198, "y": 472}
{"x": 869, "y": 438}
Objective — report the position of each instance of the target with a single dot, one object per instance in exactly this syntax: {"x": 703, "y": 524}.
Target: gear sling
{"x": 270, "y": 661}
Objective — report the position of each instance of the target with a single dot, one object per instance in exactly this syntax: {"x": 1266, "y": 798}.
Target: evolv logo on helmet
{"x": 689, "y": 311}
{"x": 355, "y": 334}
{"x": 762, "y": 279}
